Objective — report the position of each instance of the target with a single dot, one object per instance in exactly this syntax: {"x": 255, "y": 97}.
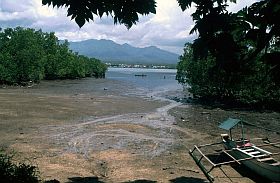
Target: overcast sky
{"x": 168, "y": 29}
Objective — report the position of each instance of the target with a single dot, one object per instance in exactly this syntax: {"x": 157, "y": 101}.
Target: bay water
{"x": 147, "y": 82}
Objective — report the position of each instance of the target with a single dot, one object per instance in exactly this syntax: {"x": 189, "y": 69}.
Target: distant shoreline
{"x": 145, "y": 66}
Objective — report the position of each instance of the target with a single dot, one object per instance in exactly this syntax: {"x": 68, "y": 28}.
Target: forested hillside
{"x": 109, "y": 51}
{"x": 32, "y": 55}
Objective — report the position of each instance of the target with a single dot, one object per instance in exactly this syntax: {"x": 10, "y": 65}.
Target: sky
{"x": 168, "y": 29}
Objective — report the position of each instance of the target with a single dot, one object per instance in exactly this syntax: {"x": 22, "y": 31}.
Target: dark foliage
{"x": 238, "y": 61}
{"x": 123, "y": 11}
{"x": 11, "y": 172}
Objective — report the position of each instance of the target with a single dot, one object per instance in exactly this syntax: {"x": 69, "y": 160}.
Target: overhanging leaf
{"x": 80, "y": 21}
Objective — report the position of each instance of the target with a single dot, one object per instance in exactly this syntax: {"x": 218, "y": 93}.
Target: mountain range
{"x": 109, "y": 51}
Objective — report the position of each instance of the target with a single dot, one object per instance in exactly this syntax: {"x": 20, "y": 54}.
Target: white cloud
{"x": 234, "y": 7}
{"x": 44, "y": 11}
{"x": 168, "y": 29}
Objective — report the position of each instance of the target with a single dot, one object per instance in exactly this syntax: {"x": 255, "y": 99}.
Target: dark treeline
{"x": 236, "y": 57}
{"x": 32, "y": 55}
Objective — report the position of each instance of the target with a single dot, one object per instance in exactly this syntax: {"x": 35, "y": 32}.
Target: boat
{"x": 241, "y": 151}
{"x": 140, "y": 75}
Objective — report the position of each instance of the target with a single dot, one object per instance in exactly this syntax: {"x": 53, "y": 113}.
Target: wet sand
{"x": 80, "y": 132}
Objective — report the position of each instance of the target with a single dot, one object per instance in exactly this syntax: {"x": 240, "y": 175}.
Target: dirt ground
{"x": 76, "y": 133}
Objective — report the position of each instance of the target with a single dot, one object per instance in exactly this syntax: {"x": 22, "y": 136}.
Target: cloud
{"x": 168, "y": 29}
{"x": 14, "y": 6}
{"x": 234, "y": 7}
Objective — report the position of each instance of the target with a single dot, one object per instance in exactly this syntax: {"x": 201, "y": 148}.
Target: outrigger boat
{"x": 260, "y": 161}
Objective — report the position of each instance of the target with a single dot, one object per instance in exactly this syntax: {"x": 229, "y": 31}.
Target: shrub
{"x": 11, "y": 172}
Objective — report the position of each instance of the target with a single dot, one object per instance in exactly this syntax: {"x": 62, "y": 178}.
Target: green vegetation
{"x": 29, "y": 55}
{"x": 236, "y": 56}
{"x": 16, "y": 173}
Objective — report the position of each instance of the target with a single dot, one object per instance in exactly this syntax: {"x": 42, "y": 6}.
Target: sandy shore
{"x": 76, "y": 132}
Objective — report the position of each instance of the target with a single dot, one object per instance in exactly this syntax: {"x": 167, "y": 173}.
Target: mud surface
{"x": 80, "y": 132}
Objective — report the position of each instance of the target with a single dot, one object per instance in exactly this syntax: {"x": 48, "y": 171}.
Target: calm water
{"x": 153, "y": 81}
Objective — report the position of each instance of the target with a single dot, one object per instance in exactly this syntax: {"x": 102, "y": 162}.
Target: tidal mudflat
{"x": 96, "y": 130}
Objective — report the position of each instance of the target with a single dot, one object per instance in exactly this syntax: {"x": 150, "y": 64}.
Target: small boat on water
{"x": 140, "y": 75}
{"x": 254, "y": 157}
